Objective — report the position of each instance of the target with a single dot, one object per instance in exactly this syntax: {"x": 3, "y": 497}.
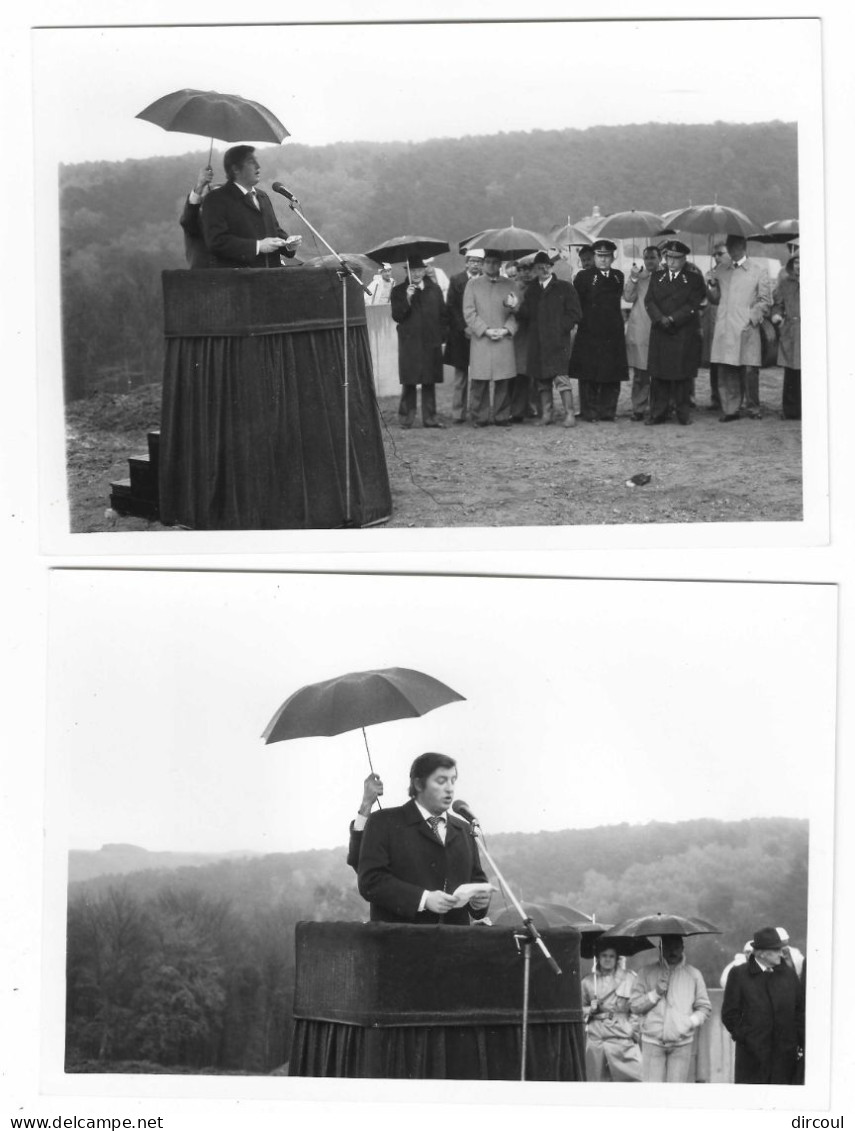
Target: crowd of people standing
{"x": 516, "y": 332}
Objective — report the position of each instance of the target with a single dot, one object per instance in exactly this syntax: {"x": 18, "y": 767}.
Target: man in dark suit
{"x": 372, "y": 789}
{"x": 195, "y": 251}
{"x": 414, "y": 856}
{"x": 763, "y": 1010}
{"x": 238, "y": 221}
{"x": 457, "y": 347}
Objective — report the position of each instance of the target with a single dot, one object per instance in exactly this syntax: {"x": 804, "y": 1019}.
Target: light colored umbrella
{"x": 512, "y": 242}
{"x": 779, "y": 231}
{"x": 708, "y": 220}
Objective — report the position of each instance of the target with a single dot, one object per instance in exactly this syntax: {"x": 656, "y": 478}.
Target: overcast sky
{"x": 411, "y": 82}
{"x": 587, "y": 703}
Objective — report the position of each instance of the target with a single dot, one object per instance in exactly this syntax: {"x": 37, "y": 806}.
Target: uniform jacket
{"x": 674, "y": 353}
{"x": 599, "y": 351}
{"x": 484, "y": 308}
{"x": 401, "y": 858}
{"x": 232, "y": 225}
{"x": 549, "y": 315}
{"x": 764, "y": 1013}
{"x": 744, "y": 299}
{"x": 672, "y": 1019}
{"x": 787, "y": 302}
{"x": 422, "y": 328}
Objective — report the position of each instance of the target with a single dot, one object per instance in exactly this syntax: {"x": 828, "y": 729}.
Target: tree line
{"x": 119, "y": 220}
{"x": 192, "y": 969}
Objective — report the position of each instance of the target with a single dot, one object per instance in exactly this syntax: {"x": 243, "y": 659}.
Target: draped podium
{"x": 253, "y": 422}
{"x": 394, "y": 1000}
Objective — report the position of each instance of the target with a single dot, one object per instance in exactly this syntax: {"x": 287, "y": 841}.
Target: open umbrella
{"x": 399, "y": 249}
{"x": 359, "y": 262}
{"x": 463, "y": 245}
{"x": 625, "y": 945}
{"x": 779, "y": 231}
{"x": 208, "y": 113}
{"x": 512, "y": 242}
{"x": 626, "y": 225}
{"x": 660, "y": 924}
{"x": 544, "y": 915}
{"x": 355, "y": 701}
{"x": 570, "y": 235}
{"x": 708, "y": 220}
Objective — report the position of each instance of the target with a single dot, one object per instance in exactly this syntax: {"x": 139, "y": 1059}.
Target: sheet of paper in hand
{"x": 464, "y": 893}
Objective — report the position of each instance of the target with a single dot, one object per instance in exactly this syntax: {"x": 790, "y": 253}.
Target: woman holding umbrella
{"x": 612, "y": 1053}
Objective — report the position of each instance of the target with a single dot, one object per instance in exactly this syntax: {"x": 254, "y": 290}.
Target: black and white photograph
{"x": 388, "y": 362}
{"x": 241, "y": 810}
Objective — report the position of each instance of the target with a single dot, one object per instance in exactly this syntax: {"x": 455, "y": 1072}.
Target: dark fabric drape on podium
{"x": 555, "y": 1051}
{"x": 367, "y": 1003}
{"x": 252, "y": 428}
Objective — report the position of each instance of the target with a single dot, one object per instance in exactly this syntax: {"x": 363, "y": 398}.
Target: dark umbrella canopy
{"x": 354, "y": 259}
{"x": 400, "y": 248}
{"x": 708, "y": 220}
{"x": 543, "y": 915}
{"x": 357, "y": 700}
{"x": 595, "y": 937}
{"x": 660, "y": 924}
{"x": 511, "y": 242}
{"x": 208, "y": 113}
{"x": 779, "y": 231}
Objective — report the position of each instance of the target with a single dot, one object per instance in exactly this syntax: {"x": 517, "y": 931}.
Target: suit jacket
{"x": 457, "y": 347}
{"x": 764, "y": 1013}
{"x": 401, "y": 858}
{"x": 354, "y": 844}
{"x": 232, "y": 225}
{"x": 195, "y": 250}
{"x": 422, "y": 328}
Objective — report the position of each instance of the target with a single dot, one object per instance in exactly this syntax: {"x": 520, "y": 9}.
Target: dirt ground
{"x": 747, "y": 471}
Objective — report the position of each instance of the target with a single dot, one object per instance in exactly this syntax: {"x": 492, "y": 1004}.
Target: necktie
{"x": 254, "y": 200}
{"x": 434, "y": 823}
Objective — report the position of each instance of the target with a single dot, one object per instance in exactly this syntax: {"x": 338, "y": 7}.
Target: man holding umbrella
{"x": 420, "y": 312}
{"x": 550, "y": 311}
{"x": 672, "y": 1001}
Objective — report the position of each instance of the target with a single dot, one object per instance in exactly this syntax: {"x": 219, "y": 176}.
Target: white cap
{"x": 475, "y": 253}
{"x": 385, "y": 266}
{"x": 782, "y": 935}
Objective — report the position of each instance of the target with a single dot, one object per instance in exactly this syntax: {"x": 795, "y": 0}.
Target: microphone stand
{"x": 524, "y": 941}
{"x": 344, "y": 269}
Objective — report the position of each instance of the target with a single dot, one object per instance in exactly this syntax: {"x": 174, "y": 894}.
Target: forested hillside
{"x": 192, "y": 968}
{"x": 119, "y": 220}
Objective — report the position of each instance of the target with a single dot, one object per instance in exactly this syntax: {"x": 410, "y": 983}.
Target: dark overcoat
{"x": 764, "y": 1013}
{"x": 195, "y": 250}
{"x": 232, "y": 225}
{"x": 599, "y": 352}
{"x": 400, "y": 858}
{"x": 457, "y": 346}
{"x": 549, "y": 315}
{"x": 422, "y": 328}
{"x": 674, "y": 353}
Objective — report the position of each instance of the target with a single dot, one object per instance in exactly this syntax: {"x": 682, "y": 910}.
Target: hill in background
{"x": 119, "y": 220}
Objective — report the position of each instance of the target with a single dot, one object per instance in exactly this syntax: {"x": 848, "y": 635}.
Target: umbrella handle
{"x": 370, "y": 763}
{"x": 210, "y": 151}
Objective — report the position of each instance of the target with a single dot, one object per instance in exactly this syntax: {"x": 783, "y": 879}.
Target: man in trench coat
{"x": 742, "y": 292}
{"x": 599, "y": 351}
{"x": 419, "y": 309}
{"x": 489, "y": 302}
{"x": 763, "y": 1010}
{"x": 673, "y": 302}
{"x": 457, "y": 347}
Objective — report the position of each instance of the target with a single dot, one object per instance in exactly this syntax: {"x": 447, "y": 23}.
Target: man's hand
{"x": 411, "y": 290}
{"x": 776, "y": 319}
{"x": 203, "y": 180}
{"x": 372, "y": 788}
{"x": 269, "y": 245}
{"x": 661, "y": 986}
{"x": 480, "y": 900}
{"x": 439, "y": 902}
{"x": 293, "y": 241}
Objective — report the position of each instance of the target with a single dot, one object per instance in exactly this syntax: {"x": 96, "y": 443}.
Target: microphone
{"x": 277, "y": 186}
{"x": 463, "y": 810}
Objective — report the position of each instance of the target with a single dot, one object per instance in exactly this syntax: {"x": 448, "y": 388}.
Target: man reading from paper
{"x": 415, "y": 857}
